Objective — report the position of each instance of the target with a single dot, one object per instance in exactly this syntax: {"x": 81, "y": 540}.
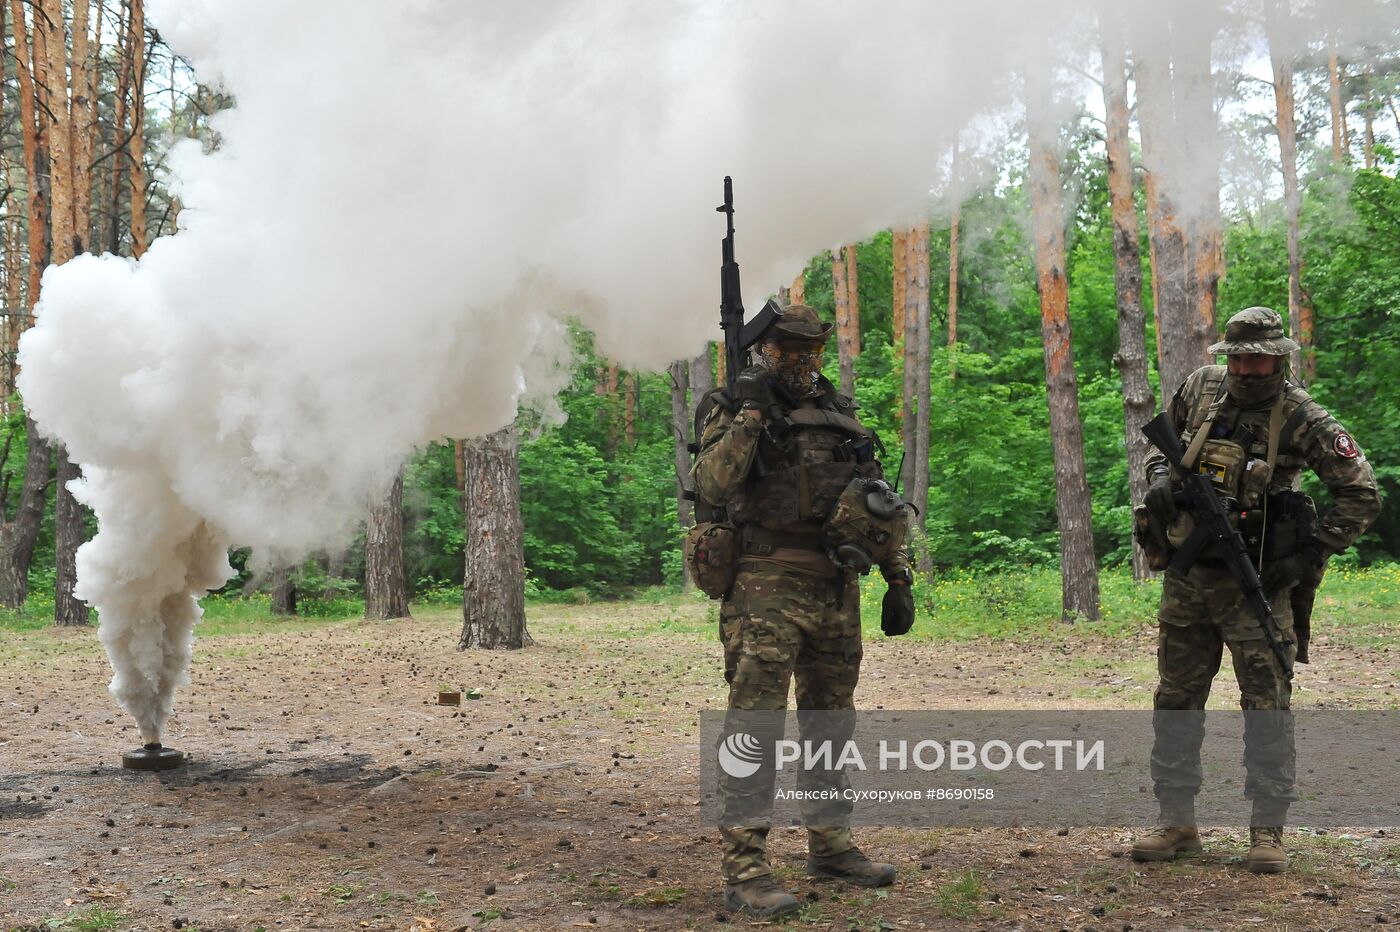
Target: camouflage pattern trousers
{"x": 779, "y": 625}
{"x": 1202, "y": 613}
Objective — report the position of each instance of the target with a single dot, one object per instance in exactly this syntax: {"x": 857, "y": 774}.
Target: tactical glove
{"x": 1161, "y": 502}
{"x": 897, "y": 609}
{"x": 754, "y": 390}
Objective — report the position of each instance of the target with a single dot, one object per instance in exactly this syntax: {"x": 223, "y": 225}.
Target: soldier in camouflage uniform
{"x": 791, "y": 614}
{"x": 1253, "y": 431}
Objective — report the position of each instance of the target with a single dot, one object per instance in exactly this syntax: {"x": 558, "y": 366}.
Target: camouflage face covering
{"x": 796, "y": 364}
{"x": 1254, "y": 391}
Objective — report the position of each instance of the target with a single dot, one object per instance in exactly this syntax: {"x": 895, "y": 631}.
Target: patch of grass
{"x": 1356, "y": 606}
{"x": 341, "y": 892}
{"x": 962, "y": 898}
{"x": 36, "y": 613}
{"x": 1319, "y": 840}
{"x": 1014, "y": 604}
{"x": 96, "y": 919}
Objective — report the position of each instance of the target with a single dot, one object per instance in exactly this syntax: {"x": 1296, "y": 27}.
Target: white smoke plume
{"x": 407, "y": 201}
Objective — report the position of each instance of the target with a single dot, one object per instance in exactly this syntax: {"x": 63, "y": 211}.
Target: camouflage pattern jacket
{"x": 1310, "y": 437}
{"x": 783, "y": 510}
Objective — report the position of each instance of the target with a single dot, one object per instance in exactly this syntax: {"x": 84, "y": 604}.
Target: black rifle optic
{"x": 738, "y": 336}
{"x": 1213, "y": 527}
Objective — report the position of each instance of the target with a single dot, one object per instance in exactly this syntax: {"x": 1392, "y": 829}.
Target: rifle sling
{"x": 1188, "y": 462}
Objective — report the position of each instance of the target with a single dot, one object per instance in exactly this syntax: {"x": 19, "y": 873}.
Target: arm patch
{"x": 1345, "y": 447}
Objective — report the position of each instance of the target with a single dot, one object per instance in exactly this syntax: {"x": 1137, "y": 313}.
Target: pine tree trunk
{"x": 284, "y": 591}
{"x": 84, "y": 110}
{"x": 459, "y": 465}
{"x": 702, "y": 382}
{"x": 613, "y": 413}
{"x": 797, "y": 293}
{"x": 629, "y": 410}
{"x": 138, "y": 119}
{"x": 116, "y": 185}
{"x": 69, "y": 528}
{"x": 922, "y": 386}
{"x": 899, "y": 282}
{"x": 853, "y": 299}
{"x": 1368, "y": 140}
{"x": 1194, "y": 90}
{"x": 386, "y": 592}
{"x": 1182, "y": 336}
{"x": 1276, "y": 15}
{"x": 909, "y": 361}
{"x": 1131, "y": 358}
{"x": 19, "y": 534}
{"x": 29, "y": 119}
{"x": 953, "y": 260}
{"x": 845, "y": 347}
{"x": 60, "y": 136}
{"x": 680, "y": 432}
{"x": 69, "y": 533}
{"x": 955, "y": 222}
{"x": 1334, "y": 97}
{"x": 493, "y": 598}
{"x": 1078, "y": 569}
{"x": 15, "y": 315}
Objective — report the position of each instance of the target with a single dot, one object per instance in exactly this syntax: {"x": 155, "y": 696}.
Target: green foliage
{"x": 1011, "y": 603}
{"x": 572, "y": 534}
{"x": 963, "y": 898}
{"x": 434, "y": 529}
{"x": 96, "y": 919}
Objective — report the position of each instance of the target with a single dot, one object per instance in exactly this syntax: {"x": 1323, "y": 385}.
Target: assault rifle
{"x": 1213, "y": 527}
{"x": 738, "y": 336}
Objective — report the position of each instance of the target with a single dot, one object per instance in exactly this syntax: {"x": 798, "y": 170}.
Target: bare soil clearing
{"x": 328, "y": 790}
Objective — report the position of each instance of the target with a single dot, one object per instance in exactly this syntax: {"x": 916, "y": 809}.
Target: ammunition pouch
{"x": 1285, "y": 527}
{"x": 712, "y": 556}
{"x": 866, "y": 526}
{"x": 1224, "y": 462}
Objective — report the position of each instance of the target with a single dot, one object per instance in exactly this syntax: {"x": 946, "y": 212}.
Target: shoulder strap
{"x": 1203, "y": 428}
{"x": 820, "y": 417}
{"x": 1275, "y": 432}
{"x": 1299, "y": 415}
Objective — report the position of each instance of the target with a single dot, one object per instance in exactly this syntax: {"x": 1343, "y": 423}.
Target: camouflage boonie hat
{"x": 799, "y": 322}
{"x": 1254, "y": 330}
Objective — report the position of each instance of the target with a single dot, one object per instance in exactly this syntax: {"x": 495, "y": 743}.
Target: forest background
{"x": 94, "y": 99}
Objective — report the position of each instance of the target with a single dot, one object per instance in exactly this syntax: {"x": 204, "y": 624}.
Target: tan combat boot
{"x": 1266, "y": 850}
{"x": 851, "y": 866}
{"x": 1166, "y": 842}
{"x": 760, "y": 897}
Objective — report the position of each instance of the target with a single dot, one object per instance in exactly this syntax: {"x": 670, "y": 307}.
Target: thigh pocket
{"x": 1181, "y": 603}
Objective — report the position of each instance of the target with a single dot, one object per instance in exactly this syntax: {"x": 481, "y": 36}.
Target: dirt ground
{"x": 327, "y": 790}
